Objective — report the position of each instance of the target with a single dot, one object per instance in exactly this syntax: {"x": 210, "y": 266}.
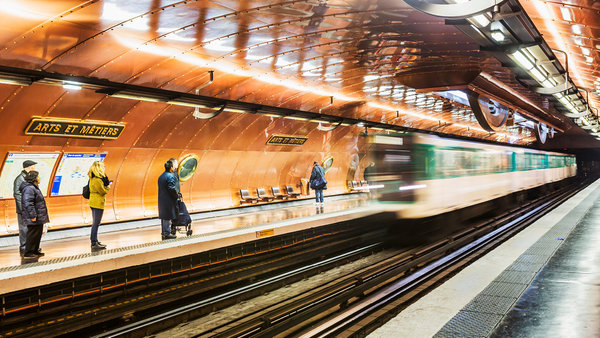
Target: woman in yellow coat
{"x": 99, "y": 187}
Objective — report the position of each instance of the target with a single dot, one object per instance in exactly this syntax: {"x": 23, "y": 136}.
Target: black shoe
{"x": 39, "y": 254}
{"x": 22, "y": 253}
{"x": 98, "y": 246}
{"x": 30, "y": 258}
{"x": 169, "y": 236}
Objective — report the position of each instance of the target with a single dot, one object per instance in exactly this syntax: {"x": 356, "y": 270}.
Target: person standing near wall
{"x": 34, "y": 213}
{"x": 99, "y": 187}
{"x": 318, "y": 182}
{"x": 167, "y": 199}
{"x": 28, "y": 166}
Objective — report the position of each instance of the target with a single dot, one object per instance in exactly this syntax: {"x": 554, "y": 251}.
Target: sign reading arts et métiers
{"x": 287, "y": 140}
{"x": 74, "y": 128}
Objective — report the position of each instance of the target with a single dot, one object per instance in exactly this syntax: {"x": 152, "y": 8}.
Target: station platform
{"x": 139, "y": 242}
{"x": 543, "y": 282}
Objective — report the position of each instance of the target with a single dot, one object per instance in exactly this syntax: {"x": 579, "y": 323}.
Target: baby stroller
{"x": 183, "y": 220}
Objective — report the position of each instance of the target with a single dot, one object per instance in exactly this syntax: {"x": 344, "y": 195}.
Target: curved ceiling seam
{"x": 566, "y": 4}
{"x": 297, "y": 36}
{"x": 111, "y": 28}
{"x": 192, "y": 49}
{"x": 13, "y": 42}
{"x": 48, "y": 111}
{"x": 303, "y": 48}
{"x": 166, "y": 59}
{"x": 10, "y": 97}
{"x": 79, "y": 44}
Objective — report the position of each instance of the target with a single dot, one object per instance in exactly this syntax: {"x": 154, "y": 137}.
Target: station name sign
{"x": 287, "y": 140}
{"x": 74, "y": 128}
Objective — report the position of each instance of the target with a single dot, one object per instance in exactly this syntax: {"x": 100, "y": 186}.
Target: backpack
{"x": 86, "y": 191}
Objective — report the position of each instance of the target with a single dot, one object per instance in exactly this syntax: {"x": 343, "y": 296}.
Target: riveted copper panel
{"x": 291, "y": 54}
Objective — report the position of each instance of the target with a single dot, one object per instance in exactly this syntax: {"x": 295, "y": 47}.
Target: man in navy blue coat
{"x": 167, "y": 199}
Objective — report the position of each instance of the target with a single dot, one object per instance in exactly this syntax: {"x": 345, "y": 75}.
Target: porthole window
{"x": 187, "y": 167}
{"x": 327, "y": 163}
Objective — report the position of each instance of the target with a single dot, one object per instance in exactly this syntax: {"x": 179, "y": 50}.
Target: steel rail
{"x": 375, "y": 301}
{"x": 228, "y": 295}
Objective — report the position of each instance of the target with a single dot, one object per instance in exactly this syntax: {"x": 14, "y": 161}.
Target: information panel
{"x": 72, "y": 173}
{"x": 14, "y": 165}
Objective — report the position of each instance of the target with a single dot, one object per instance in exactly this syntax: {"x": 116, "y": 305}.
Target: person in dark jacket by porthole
{"x": 34, "y": 213}
{"x": 318, "y": 182}
{"x": 167, "y": 199}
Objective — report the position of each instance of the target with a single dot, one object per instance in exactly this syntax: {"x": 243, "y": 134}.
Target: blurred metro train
{"x": 420, "y": 175}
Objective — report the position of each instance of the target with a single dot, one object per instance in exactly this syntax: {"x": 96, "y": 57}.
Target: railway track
{"x": 359, "y": 302}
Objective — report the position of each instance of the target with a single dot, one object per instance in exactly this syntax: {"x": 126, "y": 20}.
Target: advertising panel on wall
{"x": 72, "y": 173}
{"x": 14, "y": 165}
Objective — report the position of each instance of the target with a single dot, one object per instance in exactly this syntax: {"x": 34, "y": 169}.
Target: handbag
{"x": 86, "y": 191}
{"x": 318, "y": 183}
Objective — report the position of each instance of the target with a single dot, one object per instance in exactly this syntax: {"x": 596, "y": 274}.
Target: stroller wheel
{"x": 189, "y": 232}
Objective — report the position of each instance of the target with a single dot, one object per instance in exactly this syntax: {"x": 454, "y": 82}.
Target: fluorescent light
{"x": 498, "y": 36}
{"x": 576, "y": 29}
{"x": 136, "y": 97}
{"x": 360, "y": 124}
{"x": 538, "y": 75}
{"x": 522, "y": 60}
{"x": 272, "y": 115}
{"x": 15, "y": 81}
{"x": 482, "y": 20}
{"x": 71, "y": 85}
{"x": 566, "y": 13}
{"x": 235, "y": 110}
{"x": 187, "y": 104}
{"x": 295, "y": 118}
{"x": 589, "y": 59}
{"x": 585, "y": 51}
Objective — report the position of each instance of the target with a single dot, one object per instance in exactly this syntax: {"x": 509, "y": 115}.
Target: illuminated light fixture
{"x": 538, "y": 75}
{"x": 346, "y": 124}
{"x": 576, "y": 29}
{"x": 585, "y": 51}
{"x": 187, "y": 104}
{"x": 482, "y": 20}
{"x": 272, "y": 115}
{"x": 136, "y": 97}
{"x": 522, "y": 60}
{"x": 295, "y": 118}
{"x": 566, "y": 13}
{"x": 498, "y": 36}
{"x": 589, "y": 59}
{"x": 13, "y": 80}
{"x": 547, "y": 84}
{"x": 235, "y": 110}
{"x": 360, "y": 124}
{"x": 320, "y": 121}
{"x": 71, "y": 85}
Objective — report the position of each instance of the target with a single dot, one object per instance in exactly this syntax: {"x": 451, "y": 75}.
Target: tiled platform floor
{"x": 543, "y": 282}
{"x": 116, "y": 238}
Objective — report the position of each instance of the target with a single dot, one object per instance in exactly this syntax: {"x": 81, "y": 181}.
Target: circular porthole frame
{"x": 324, "y": 162}
{"x": 181, "y": 163}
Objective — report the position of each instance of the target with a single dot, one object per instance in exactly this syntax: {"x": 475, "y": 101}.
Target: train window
{"x": 187, "y": 167}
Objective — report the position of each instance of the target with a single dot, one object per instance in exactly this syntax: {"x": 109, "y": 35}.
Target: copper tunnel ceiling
{"x": 292, "y": 54}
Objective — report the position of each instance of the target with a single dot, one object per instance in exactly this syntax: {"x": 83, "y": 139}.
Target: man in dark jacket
{"x": 28, "y": 166}
{"x": 318, "y": 182}
{"x": 34, "y": 213}
{"x": 167, "y": 200}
